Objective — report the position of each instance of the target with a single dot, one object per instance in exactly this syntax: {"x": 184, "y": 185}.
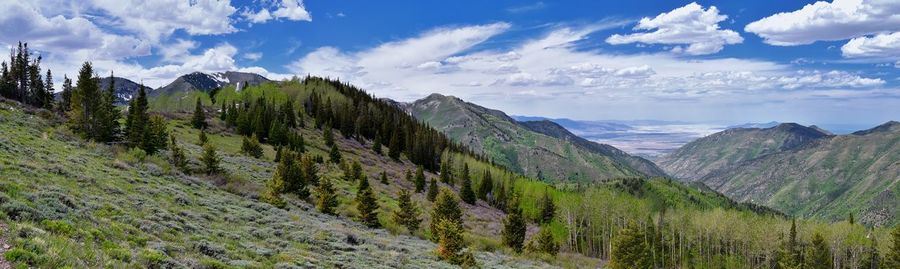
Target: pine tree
{"x": 66, "y": 103}
{"x": 445, "y": 208}
{"x": 47, "y": 94}
{"x": 384, "y": 179}
{"x": 357, "y": 174}
{"x": 136, "y": 121}
{"x": 543, "y": 242}
{"x": 201, "y": 138}
{"x": 155, "y": 135}
{"x": 450, "y": 241}
{"x": 310, "y": 172}
{"x": 107, "y": 114}
{"x": 432, "y": 190}
{"x": 630, "y": 249}
{"x": 326, "y": 199}
{"x": 367, "y": 205}
{"x": 223, "y": 115}
{"x": 446, "y": 176}
{"x": 334, "y": 155}
{"x": 892, "y": 257}
{"x": 408, "y": 215}
{"x": 328, "y": 134}
{"x": 272, "y": 194}
{"x": 548, "y": 209}
{"x": 252, "y": 148}
{"x": 198, "y": 120}
{"x": 291, "y": 174}
{"x": 395, "y": 149}
{"x": 818, "y": 255}
{"x": 465, "y": 192}
{"x": 514, "y": 227}
{"x": 210, "y": 159}
{"x": 420, "y": 179}
{"x": 376, "y": 145}
{"x": 178, "y": 157}
{"x": 486, "y": 186}
{"x": 789, "y": 255}
{"x": 84, "y": 103}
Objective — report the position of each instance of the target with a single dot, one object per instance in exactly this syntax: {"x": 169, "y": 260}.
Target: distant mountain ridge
{"x": 125, "y": 89}
{"x": 800, "y": 170}
{"x": 198, "y": 81}
{"x": 540, "y": 149}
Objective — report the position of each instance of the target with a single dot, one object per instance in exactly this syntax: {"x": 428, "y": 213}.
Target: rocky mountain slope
{"x": 124, "y": 89}
{"x": 204, "y": 82}
{"x": 724, "y": 150}
{"x": 540, "y": 149}
{"x": 800, "y": 170}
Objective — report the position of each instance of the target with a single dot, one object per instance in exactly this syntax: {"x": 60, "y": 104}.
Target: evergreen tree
{"x": 252, "y": 148}
{"x": 384, "y": 179}
{"x": 155, "y": 135}
{"x": 47, "y": 93}
{"x": 66, "y": 102}
{"x": 543, "y": 242}
{"x": 486, "y": 186}
{"x": 630, "y": 249}
{"x": 420, "y": 179}
{"x": 432, "y": 190}
{"x": 376, "y": 145}
{"x": 395, "y": 149}
{"x": 107, "y": 114}
{"x": 548, "y": 209}
{"x": 326, "y": 199}
{"x": 445, "y": 209}
{"x": 514, "y": 227}
{"x": 789, "y": 254}
{"x": 136, "y": 121}
{"x": 178, "y": 158}
{"x": 465, "y": 192}
{"x": 328, "y": 135}
{"x": 408, "y": 215}
{"x": 223, "y": 115}
{"x": 818, "y": 255}
{"x": 334, "y": 155}
{"x": 446, "y": 175}
{"x": 201, "y": 138}
{"x": 408, "y": 176}
{"x": 272, "y": 194}
{"x": 367, "y": 205}
{"x": 310, "y": 172}
{"x": 850, "y": 219}
{"x": 210, "y": 159}
{"x": 450, "y": 241}
{"x": 278, "y": 134}
{"x": 290, "y": 172}
{"x": 357, "y": 174}
{"x": 892, "y": 257}
{"x": 84, "y": 103}
{"x": 198, "y": 120}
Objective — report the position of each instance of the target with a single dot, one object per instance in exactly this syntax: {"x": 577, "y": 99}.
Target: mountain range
{"x": 800, "y": 170}
{"x": 541, "y": 149}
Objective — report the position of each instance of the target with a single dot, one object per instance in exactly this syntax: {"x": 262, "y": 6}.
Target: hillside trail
{"x": 4, "y": 246}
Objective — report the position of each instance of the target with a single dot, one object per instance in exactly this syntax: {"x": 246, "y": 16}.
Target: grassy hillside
{"x": 70, "y": 203}
{"x": 728, "y": 148}
{"x": 829, "y": 178}
{"x": 510, "y": 144}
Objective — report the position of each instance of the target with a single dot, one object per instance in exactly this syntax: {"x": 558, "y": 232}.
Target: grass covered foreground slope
{"x": 724, "y": 150}
{"x": 828, "y": 178}
{"x": 71, "y": 203}
{"x": 545, "y": 153}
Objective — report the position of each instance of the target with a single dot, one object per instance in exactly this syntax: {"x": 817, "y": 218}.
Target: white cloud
{"x": 881, "y": 45}
{"x": 549, "y": 76}
{"x": 178, "y": 51}
{"x": 690, "y": 25}
{"x": 257, "y": 17}
{"x": 292, "y": 10}
{"x": 156, "y": 20}
{"x": 253, "y": 56}
{"x": 823, "y": 21}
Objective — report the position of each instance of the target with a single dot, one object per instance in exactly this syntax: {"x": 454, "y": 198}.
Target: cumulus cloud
{"x": 823, "y": 21}
{"x": 156, "y": 20}
{"x": 881, "y": 45}
{"x": 253, "y": 56}
{"x": 690, "y": 25}
{"x": 292, "y": 10}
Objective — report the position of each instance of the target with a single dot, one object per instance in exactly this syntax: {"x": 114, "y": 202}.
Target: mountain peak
{"x": 890, "y": 126}
{"x": 205, "y": 82}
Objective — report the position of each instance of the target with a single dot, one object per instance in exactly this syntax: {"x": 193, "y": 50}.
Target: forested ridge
{"x": 325, "y": 148}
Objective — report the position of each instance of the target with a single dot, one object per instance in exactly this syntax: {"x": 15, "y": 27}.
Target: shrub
{"x": 58, "y": 227}
{"x": 20, "y": 255}
{"x": 19, "y": 211}
{"x": 152, "y": 258}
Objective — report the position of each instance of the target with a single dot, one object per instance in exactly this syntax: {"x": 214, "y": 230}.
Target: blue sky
{"x": 704, "y": 61}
